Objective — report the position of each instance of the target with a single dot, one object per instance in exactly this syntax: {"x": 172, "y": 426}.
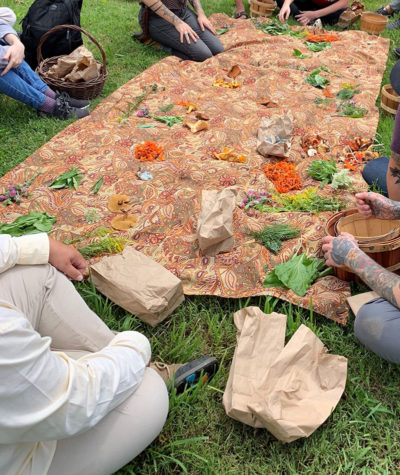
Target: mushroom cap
{"x": 123, "y": 222}
{"x": 119, "y": 203}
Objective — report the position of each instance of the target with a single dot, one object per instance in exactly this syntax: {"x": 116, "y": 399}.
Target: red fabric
{"x": 323, "y": 3}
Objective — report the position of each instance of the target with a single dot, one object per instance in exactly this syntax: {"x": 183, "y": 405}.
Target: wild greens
{"x": 69, "y": 179}
{"x": 322, "y": 170}
{"x": 272, "y": 236}
{"x": 32, "y": 223}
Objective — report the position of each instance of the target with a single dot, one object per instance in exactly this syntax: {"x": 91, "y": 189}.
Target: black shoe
{"x": 63, "y": 110}
{"x": 396, "y": 51}
{"x": 78, "y": 103}
{"x": 189, "y": 374}
{"x": 394, "y": 25}
{"x": 383, "y": 11}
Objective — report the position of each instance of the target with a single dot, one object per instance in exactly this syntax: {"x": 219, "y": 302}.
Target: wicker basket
{"x": 373, "y": 23}
{"x": 78, "y": 90}
{"x": 262, "y": 8}
{"x": 390, "y": 100}
{"x": 386, "y": 253}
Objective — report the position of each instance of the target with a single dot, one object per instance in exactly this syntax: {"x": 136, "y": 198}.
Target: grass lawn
{"x": 363, "y": 433}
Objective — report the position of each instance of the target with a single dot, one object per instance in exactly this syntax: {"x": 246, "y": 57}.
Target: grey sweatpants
{"x": 377, "y": 326}
{"x": 161, "y": 30}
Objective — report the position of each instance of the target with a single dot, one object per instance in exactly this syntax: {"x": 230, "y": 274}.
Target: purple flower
{"x": 12, "y": 193}
{"x": 251, "y": 193}
{"x": 245, "y": 200}
{"x": 140, "y": 113}
{"x": 250, "y": 212}
{"x": 256, "y": 202}
{"x": 2, "y": 198}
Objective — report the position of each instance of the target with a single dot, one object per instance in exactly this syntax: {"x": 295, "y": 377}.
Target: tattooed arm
{"x": 344, "y": 251}
{"x": 203, "y": 21}
{"x": 183, "y": 28}
{"x": 373, "y": 204}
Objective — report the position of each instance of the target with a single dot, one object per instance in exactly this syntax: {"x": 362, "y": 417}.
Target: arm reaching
{"x": 183, "y": 28}
{"x": 284, "y": 13}
{"x": 307, "y": 16}
{"x": 373, "y": 204}
{"x": 344, "y": 251}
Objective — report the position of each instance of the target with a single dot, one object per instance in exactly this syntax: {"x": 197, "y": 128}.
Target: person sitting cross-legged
{"x": 377, "y": 324}
{"x": 17, "y": 80}
{"x": 182, "y": 32}
{"x": 307, "y": 12}
{"x": 75, "y": 398}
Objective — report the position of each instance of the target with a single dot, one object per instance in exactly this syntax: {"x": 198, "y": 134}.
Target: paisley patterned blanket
{"x": 166, "y": 208}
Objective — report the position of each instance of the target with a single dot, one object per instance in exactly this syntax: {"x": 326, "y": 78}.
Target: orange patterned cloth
{"x": 167, "y": 207}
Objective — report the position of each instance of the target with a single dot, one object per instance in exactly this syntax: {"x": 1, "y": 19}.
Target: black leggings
{"x": 299, "y": 6}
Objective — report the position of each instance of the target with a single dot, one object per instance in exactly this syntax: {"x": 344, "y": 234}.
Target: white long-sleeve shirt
{"x": 45, "y": 395}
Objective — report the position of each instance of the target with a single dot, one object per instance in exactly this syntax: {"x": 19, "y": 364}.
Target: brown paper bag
{"x": 301, "y": 388}
{"x": 270, "y": 131}
{"x": 288, "y": 390}
{"x": 253, "y": 356}
{"x": 357, "y": 301}
{"x": 138, "y": 284}
{"x": 215, "y": 223}
{"x": 78, "y": 66}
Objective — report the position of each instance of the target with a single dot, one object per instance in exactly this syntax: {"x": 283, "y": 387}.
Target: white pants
{"x": 7, "y": 15}
{"x": 55, "y": 309}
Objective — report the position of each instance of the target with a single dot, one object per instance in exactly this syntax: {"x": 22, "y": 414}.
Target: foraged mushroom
{"x": 197, "y": 126}
{"x": 119, "y": 203}
{"x": 123, "y": 222}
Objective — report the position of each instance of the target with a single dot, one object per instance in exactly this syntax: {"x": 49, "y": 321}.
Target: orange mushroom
{"x": 123, "y": 222}
{"x": 119, "y": 203}
{"x": 196, "y": 126}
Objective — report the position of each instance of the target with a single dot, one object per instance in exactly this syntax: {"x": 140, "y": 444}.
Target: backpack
{"x": 41, "y": 17}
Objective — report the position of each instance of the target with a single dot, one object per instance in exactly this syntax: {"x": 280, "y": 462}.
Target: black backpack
{"x": 44, "y": 15}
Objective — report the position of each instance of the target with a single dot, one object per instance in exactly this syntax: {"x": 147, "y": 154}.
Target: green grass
{"x": 363, "y": 433}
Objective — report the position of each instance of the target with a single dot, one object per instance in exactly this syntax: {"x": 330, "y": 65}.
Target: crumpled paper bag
{"x": 78, "y": 66}
{"x": 215, "y": 222}
{"x": 289, "y": 390}
{"x": 275, "y": 136}
{"x": 138, "y": 284}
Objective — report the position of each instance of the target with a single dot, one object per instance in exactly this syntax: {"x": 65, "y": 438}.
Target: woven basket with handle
{"x": 78, "y": 90}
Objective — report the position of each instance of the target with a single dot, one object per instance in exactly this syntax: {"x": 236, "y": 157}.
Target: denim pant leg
{"x": 395, "y": 5}
{"x": 166, "y": 34}
{"x": 374, "y": 173}
{"x": 377, "y": 326}
{"x": 24, "y": 85}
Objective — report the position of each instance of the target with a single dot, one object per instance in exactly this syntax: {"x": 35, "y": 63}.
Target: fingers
{"x": 181, "y": 35}
{"x": 73, "y": 273}
{"x": 6, "y": 69}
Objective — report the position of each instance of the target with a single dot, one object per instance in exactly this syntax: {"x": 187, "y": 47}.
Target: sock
{"x": 48, "y": 106}
{"x": 50, "y": 93}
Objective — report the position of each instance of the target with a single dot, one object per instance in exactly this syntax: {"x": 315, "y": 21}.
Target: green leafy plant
{"x": 324, "y": 101}
{"x": 315, "y": 47}
{"x": 222, "y": 31}
{"x": 298, "y": 54}
{"x": 97, "y": 185}
{"x": 350, "y": 109}
{"x": 347, "y": 93}
{"x": 69, "y": 179}
{"x": 298, "y": 273}
{"x": 274, "y": 28}
{"x": 32, "y": 223}
{"x": 166, "y": 108}
{"x": 322, "y": 170}
{"x": 272, "y": 236}
{"x": 342, "y": 179}
{"x": 107, "y": 245}
{"x": 133, "y": 106}
{"x": 316, "y": 80}
{"x": 169, "y": 120}
{"x": 306, "y": 201}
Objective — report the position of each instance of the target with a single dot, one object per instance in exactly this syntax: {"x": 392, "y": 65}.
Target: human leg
{"x": 377, "y": 327}
{"x": 162, "y": 31}
{"x": 7, "y": 15}
{"x": 119, "y": 437}
{"x": 54, "y": 308}
{"x": 212, "y": 41}
{"x": 240, "y": 10}
{"x": 374, "y": 173}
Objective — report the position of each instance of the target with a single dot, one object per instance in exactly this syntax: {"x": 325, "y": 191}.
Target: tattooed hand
{"x": 373, "y": 204}
{"x": 336, "y": 249}
{"x": 204, "y": 22}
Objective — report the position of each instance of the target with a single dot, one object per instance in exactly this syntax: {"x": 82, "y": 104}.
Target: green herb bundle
{"x": 133, "y": 106}
{"x": 349, "y": 109}
{"x": 69, "y": 179}
{"x": 272, "y": 236}
{"x": 315, "y": 47}
{"x": 342, "y": 179}
{"x": 316, "y": 80}
{"x": 274, "y": 28}
{"x": 307, "y": 201}
{"x": 32, "y": 223}
{"x": 169, "y": 120}
{"x": 298, "y": 273}
{"x": 347, "y": 93}
{"x": 107, "y": 245}
{"x": 322, "y": 170}
{"x": 298, "y": 54}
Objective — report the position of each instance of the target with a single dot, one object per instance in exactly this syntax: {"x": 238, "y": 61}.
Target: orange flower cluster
{"x": 283, "y": 175}
{"x": 322, "y": 38}
{"x": 149, "y": 152}
{"x": 229, "y": 85}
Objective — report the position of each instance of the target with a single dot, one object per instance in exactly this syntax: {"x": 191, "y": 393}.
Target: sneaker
{"x": 394, "y": 25}
{"x": 63, "y": 110}
{"x": 77, "y": 103}
{"x": 187, "y": 375}
{"x": 383, "y": 11}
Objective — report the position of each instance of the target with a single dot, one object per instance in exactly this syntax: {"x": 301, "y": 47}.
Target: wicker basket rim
{"x": 373, "y": 18}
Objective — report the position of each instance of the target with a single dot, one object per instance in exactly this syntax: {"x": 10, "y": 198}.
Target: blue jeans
{"x": 24, "y": 85}
{"x": 374, "y": 173}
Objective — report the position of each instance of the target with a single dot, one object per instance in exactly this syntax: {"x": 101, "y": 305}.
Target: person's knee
{"x": 159, "y": 397}
{"x": 217, "y": 48}
{"x": 200, "y": 54}
{"x": 368, "y": 325}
